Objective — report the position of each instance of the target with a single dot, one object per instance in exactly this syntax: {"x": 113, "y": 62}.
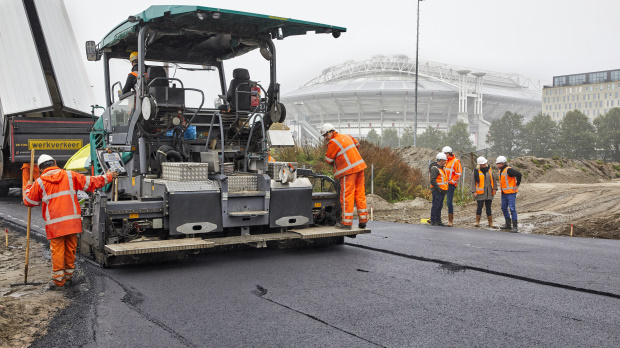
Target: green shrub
{"x": 556, "y": 158}
{"x": 616, "y": 167}
{"x": 582, "y": 168}
{"x": 546, "y": 167}
{"x": 617, "y": 175}
{"x": 600, "y": 162}
{"x": 535, "y": 161}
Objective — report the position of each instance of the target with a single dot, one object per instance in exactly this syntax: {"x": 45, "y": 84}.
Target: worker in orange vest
{"x": 439, "y": 188}
{"x": 509, "y": 181}
{"x": 454, "y": 170}
{"x": 483, "y": 187}
{"x": 343, "y": 154}
{"x": 26, "y": 174}
{"x": 57, "y": 189}
{"x": 132, "y": 78}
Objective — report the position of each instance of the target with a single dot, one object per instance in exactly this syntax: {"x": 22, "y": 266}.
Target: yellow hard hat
{"x": 133, "y": 56}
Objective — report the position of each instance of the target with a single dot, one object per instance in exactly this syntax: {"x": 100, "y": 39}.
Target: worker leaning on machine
{"x": 343, "y": 154}
{"x": 57, "y": 189}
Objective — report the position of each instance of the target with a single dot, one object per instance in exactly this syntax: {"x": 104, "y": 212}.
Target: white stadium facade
{"x": 379, "y": 93}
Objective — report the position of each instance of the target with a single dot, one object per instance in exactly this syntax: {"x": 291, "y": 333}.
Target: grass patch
{"x": 617, "y": 167}
{"x": 535, "y": 161}
{"x": 582, "y": 168}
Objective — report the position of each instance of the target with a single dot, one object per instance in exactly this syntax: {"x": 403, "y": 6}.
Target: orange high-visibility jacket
{"x": 454, "y": 170}
{"x": 508, "y": 183}
{"x": 57, "y": 189}
{"x": 343, "y": 154}
{"x": 442, "y": 179}
{"x": 480, "y": 183}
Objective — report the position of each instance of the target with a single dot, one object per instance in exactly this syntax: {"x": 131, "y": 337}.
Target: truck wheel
{"x": 4, "y": 190}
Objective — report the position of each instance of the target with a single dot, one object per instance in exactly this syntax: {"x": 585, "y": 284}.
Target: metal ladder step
{"x": 248, "y": 213}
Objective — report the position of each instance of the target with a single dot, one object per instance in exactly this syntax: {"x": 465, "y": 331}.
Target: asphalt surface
{"x": 401, "y": 286}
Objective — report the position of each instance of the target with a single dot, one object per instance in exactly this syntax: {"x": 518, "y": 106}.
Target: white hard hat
{"x": 327, "y": 128}
{"x": 446, "y": 149}
{"x": 500, "y": 159}
{"x": 482, "y": 160}
{"x": 442, "y": 156}
{"x": 43, "y": 159}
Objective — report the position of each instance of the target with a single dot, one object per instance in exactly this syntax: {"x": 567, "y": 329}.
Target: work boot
{"x": 450, "y": 220}
{"x": 51, "y": 286}
{"x": 429, "y": 221}
{"x": 514, "y": 227}
{"x": 439, "y": 223}
{"x": 343, "y": 227}
{"x": 362, "y": 225}
{"x": 477, "y": 221}
{"x": 490, "y": 218}
{"x": 507, "y": 226}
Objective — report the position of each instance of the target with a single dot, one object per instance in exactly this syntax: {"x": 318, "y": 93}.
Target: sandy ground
{"x": 543, "y": 208}
{"x": 25, "y": 311}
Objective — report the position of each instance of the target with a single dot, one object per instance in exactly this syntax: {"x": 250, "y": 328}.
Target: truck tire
{"x": 4, "y": 190}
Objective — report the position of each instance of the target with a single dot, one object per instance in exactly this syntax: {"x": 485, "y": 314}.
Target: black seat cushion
{"x": 156, "y": 71}
{"x": 238, "y": 95}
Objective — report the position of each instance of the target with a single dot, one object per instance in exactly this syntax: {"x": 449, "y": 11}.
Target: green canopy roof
{"x": 202, "y": 35}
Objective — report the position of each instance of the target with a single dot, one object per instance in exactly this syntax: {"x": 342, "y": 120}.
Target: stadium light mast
{"x": 417, "y": 44}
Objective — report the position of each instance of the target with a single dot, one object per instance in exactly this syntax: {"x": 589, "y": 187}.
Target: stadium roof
{"x": 396, "y": 74}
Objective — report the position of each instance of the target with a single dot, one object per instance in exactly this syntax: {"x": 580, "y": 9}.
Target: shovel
{"x": 28, "y": 230}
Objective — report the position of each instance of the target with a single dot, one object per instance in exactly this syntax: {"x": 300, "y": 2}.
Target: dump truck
{"x": 45, "y": 96}
{"x": 195, "y": 179}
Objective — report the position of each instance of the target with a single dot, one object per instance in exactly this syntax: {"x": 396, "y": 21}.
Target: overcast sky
{"x": 534, "y": 38}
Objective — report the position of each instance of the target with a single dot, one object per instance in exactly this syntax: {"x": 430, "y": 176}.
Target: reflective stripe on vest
{"x": 480, "y": 183}
{"x": 344, "y": 153}
{"x": 442, "y": 179}
{"x": 450, "y": 171}
{"x": 508, "y": 183}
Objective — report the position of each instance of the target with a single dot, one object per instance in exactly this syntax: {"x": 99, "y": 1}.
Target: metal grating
{"x": 185, "y": 171}
{"x": 179, "y": 186}
{"x": 238, "y": 183}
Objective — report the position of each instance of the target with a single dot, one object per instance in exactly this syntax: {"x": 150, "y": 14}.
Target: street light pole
{"x": 417, "y": 44}
{"x": 382, "y": 110}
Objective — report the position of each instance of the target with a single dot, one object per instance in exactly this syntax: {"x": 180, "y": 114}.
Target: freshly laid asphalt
{"x": 401, "y": 286}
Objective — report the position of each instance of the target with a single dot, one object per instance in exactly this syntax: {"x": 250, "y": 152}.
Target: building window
{"x": 597, "y": 77}
{"x": 615, "y": 75}
{"x": 576, "y": 79}
{"x": 559, "y": 81}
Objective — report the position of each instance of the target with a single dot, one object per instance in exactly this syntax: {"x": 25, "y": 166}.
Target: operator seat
{"x": 238, "y": 95}
{"x": 156, "y": 71}
{"x": 160, "y": 89}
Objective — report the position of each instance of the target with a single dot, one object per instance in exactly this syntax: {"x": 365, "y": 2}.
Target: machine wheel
{"x": 4, "y": 190}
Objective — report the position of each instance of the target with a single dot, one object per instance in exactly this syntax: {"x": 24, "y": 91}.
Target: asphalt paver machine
{"x": 195, "y": 179}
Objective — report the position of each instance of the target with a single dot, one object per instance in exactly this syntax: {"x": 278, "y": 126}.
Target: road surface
{"x": 401, "y": 286}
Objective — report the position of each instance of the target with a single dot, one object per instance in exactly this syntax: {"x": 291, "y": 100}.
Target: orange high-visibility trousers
{"x": 63, "y": 258}
{"x": 353, "y": 192}
{"x": 26, "y": 174}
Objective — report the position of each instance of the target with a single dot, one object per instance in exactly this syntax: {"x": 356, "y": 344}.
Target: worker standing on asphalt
{"x": 439, "y": 188}
{"x": 343, "y": 154}
{"x": 509, "y": 181}
{"x": 483, "y": 187}
{"x": 454, "y": 170}
{"x": 57, "y": 189}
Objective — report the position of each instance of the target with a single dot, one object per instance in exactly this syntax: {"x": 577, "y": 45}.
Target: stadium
{"x": 379, "y": 93}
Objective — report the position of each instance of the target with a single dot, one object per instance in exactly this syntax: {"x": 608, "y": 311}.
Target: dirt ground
{"x": 554, "y": 194}
{"x": 25, "y": 311}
